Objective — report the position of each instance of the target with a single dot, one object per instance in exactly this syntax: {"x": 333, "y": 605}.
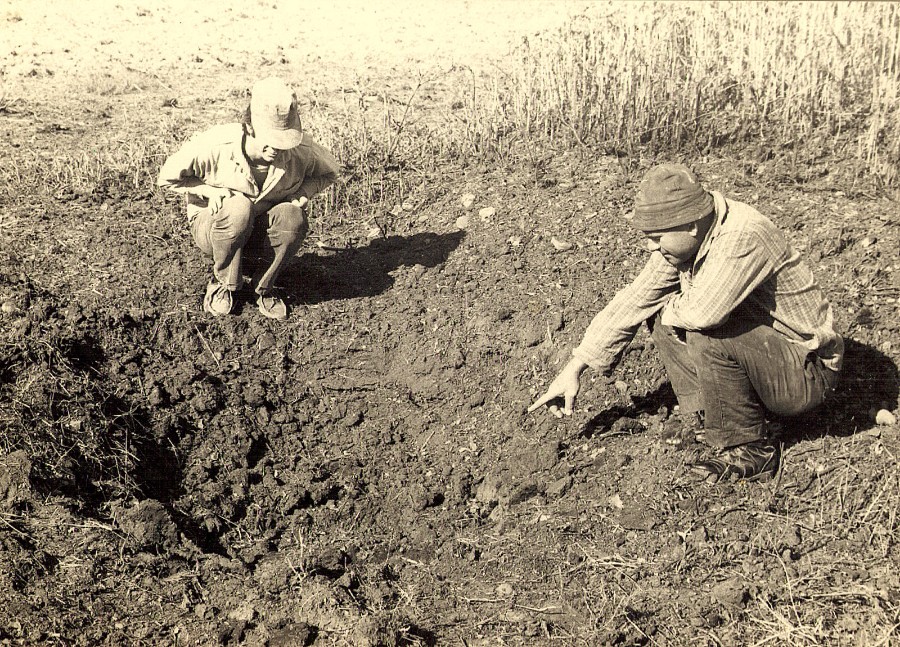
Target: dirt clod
{"x": 732, "y": 592}
{"x": 147, "y": 524}
{"x": 15, "y": 486}
{"x": 885, "y": 417}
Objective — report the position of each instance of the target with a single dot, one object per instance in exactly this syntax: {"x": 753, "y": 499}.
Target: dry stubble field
{"x": 365, "y": 474}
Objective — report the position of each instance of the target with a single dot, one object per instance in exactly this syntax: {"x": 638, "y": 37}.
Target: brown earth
{"x": 365, "y": 473}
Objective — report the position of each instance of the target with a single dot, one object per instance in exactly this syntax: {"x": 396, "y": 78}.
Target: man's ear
{"x": 693, "y": 230}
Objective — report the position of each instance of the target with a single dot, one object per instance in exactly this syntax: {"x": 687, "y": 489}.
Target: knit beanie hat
{"x": 670, "y": 195}
{"x": 273, "y": 114}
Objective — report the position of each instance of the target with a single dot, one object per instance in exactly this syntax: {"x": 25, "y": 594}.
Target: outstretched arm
{"x": 611, "y": 331}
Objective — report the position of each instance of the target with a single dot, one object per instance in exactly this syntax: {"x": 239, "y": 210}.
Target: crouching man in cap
{"x": 739, "y": 322}
{"x": 247, "y": 186}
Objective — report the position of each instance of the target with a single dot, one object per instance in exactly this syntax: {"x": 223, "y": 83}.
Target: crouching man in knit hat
{"x": 247, "y": 186}
{"x": 739, "y": 322}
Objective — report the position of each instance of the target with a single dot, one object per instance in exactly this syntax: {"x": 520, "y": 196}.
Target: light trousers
{"x": 271, "y": 232}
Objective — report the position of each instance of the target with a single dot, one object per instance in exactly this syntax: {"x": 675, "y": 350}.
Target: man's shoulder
{"x": 743, "y": 217}
{"x": 305, "y": 148}
{"x": 220, "y": 135}
{"x": 309, "y": 152}
{"x": 746, "y": 231}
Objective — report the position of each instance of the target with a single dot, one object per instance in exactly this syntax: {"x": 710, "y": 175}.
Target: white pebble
{"x": 467, "y": 200}
{"x": 561, "y": 245}
{"x": 487, "y": 213}
{"x": 462, "y": 222}
{"x": 885, "y": 417}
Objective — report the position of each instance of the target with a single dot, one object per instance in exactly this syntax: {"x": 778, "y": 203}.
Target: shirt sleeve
{"x": 321, "y": 173}
{"x": 183, "y": 169}
{"x": 736, "y": 265}
{"x": 615, "y": 326}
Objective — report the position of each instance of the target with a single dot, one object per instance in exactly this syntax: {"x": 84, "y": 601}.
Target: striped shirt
{"x": 744, "y": 260}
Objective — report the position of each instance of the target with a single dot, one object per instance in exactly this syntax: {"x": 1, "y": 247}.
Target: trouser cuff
{"x": 690, "y": 402}
{"x": 725, "y": 438}
{"x": 230, "y": 285}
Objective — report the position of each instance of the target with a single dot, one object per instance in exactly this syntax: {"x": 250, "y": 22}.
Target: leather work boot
{"x": 751, "y": 462}
{"x": 218, "y": 300}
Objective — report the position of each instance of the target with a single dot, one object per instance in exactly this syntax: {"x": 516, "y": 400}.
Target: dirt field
{"x": 365, "y": 472}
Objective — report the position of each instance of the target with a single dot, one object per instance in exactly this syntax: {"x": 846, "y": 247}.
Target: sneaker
{"x": 751, "y": 461}
{"x": 218, "y": 300}
{"x": 683, "y": 429}
{"x": 271, "y": 306}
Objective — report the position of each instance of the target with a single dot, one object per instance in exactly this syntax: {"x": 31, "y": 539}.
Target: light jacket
{"x": 215, "y": 157}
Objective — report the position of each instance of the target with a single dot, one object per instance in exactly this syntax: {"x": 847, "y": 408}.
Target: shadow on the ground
{"x": 624, "y": 417}
{"x": 363, "y": 271}
{"x": 870, "y": 380}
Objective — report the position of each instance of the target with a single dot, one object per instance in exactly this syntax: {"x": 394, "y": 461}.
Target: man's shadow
{"x": 336, "y": 273}
{"x": 869, "y": 381}
{"x": 625, "y": 418}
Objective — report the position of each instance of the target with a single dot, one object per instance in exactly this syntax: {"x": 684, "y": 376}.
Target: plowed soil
{"x": 365, "y": 472}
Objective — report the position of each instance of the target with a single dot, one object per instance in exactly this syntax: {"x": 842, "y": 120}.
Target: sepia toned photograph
{"x": 478, "y": 323}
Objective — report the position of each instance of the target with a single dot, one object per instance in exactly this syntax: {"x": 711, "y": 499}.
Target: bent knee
{"x": 236, "y": 215}
{"x": 790, "y": 408}
{"x": 289, "y": 220}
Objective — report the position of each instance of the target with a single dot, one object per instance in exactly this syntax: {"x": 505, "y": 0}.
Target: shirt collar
{"x": 237, "y": 151}
{"x": 721, "y": 208}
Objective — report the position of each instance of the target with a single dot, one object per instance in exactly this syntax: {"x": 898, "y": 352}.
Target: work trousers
{"x": 737, "y": 372}
{"x": 271, "y": 232}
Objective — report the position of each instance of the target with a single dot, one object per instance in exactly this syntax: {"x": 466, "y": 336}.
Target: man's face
{"x": 258, "y": 149}
{"x": 269, "y": 153}
{"x": 678, "y": 245}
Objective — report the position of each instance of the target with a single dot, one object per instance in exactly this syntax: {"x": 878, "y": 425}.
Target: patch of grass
{"x": 118, "y": 166}
{"x": 804, "y": 79}
{"x": 385, "y": 148}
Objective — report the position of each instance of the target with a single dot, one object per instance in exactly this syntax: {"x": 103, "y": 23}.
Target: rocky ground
{"x": 365, "y": 472}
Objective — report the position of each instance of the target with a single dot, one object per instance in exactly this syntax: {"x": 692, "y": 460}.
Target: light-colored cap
{"x": 273, "y": 114}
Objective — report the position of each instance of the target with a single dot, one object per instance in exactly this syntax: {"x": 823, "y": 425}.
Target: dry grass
{"x": 78, "y": 435}
{"x": 691, "y": 76}
{"x": 804, "y": 78}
